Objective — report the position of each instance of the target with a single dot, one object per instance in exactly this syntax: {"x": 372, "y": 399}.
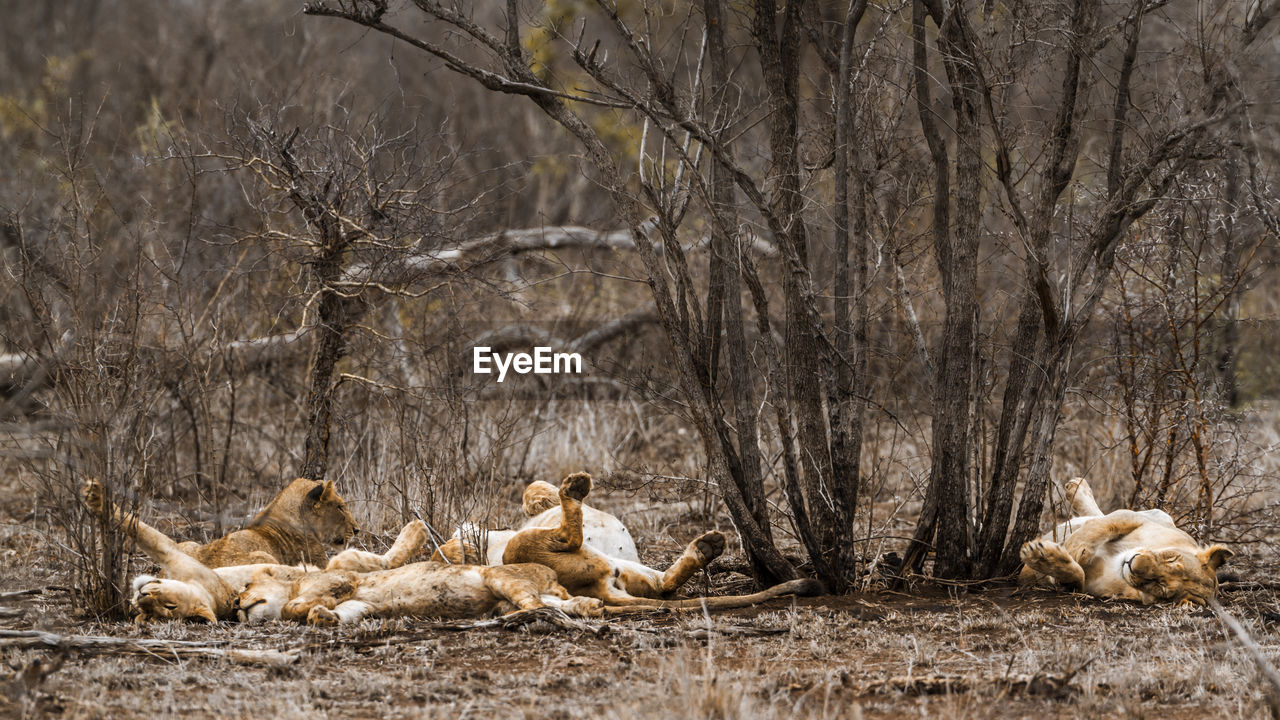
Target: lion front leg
{"x": 521, "y": 585}
{"x": 1051, "y": 560}
{"x": 410, "y": 540}
{"x": 641, "y": 581}
{"x": 1097, "y": 532}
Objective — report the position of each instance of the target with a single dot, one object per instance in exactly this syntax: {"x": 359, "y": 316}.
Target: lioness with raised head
{"x": 1124, "y": 554}
{"x": 298, "y": 526}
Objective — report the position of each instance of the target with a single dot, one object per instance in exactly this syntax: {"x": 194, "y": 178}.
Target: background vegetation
{"x": 843, "y": 275}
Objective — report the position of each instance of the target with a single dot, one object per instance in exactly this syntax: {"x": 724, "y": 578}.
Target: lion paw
{"x": 576, "y": 486}
{"x": 1072, "y": 486}
{"x": 1045, "y": 557}
{"x": 321, "y": 615}
{"x": 414, "y": 534}
{"x": 584, "y": 607}
{"x": 709, "y": 546}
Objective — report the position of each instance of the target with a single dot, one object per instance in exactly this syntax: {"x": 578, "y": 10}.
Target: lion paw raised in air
{"x": 1044, "y": 556}
{"x": 709, "y": 546}
{"x": 321, "y": 615}
{"x": 576, "y": 486}
{"x": 414, "y": 534}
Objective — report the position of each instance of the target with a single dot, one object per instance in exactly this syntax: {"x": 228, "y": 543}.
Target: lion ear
{"x": 1215, "y": 555}
{"x": 316, "y": 493}
{"x": 329, "y": 492}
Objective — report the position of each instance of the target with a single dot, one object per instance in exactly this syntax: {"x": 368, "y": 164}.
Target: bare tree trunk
{"x": 956, "y": 251}
{"x": 330, "y": 346}
{"x": 846, "y": 379}
{"x": 726, "y": 271}
{"x": 1230, "y": 339}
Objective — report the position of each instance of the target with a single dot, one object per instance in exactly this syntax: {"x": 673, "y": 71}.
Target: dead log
{"x": 106, "y": 645}
{"x": 412, "y": 267}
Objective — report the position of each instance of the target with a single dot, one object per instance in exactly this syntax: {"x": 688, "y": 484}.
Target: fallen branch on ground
{"x": 105, "y": 645}
{"x": 1044, "y": 684}
{"x": 1246, "y": 585}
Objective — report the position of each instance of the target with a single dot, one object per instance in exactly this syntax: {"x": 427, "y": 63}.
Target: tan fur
{"x": 299, "y": 526}
{"x": 357, "y": 584}
{"x": 430, "y": 589}
{"x": 541, "y": 505}
{"x": 1124, "y": 554}
{"x": 585, "y": 571}
{"x": 193, "y": 590}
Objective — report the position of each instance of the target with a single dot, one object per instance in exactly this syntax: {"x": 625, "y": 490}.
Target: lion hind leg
{"x": 573, "y": 489}
{"x": 177, "y": 564}
{"x": 1051, "y": 560}
{"x": 538, "y": 544}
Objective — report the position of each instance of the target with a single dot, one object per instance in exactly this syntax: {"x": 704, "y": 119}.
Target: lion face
{"x": 265, "y": 596}
{"x": 1179, "y": 575}
{"x": 327, "y": 516}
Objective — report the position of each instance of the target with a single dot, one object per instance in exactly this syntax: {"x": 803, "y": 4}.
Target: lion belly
{"x": 600, "y": 531}
{"x": 427, "y": 590}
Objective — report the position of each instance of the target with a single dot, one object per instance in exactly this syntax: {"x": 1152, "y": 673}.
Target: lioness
{"x": 191, "y": 589}
{"x": 297, "y": 526}
{"x": 354, "y": 585}
{"x": 541, "y": 504}
{"x": 1124, "y": 554}
{"x": 585, "y": 570}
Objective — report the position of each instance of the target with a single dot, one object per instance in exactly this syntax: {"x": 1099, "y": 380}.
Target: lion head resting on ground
{"x": 1125, "y": 554}
{"x": 299, "y": 526}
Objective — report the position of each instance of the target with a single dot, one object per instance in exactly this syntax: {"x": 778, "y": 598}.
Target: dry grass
{"x": 928, "y": 654}
{"x": 870, "y": 656}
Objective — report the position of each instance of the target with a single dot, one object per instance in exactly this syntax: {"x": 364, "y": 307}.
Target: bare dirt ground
{"x": 930, "y": 652}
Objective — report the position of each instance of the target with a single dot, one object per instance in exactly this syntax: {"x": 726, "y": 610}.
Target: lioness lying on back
{"x": 593, "y": 555}
{"x": 1124, "y": 554}
{"x": 541, "y": 505}
{"x": 297, "y": 526}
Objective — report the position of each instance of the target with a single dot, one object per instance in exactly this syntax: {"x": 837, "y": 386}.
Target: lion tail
{"x": 805, "y": 587}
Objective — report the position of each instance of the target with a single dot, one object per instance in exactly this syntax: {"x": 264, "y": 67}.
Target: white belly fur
{"x": 601, "y": 531}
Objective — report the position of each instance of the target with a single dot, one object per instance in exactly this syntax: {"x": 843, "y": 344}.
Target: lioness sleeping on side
{"x": 1124, "y": 554}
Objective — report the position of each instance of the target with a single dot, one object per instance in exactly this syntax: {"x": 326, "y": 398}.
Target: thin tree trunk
{"x": 847, "y": 375}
